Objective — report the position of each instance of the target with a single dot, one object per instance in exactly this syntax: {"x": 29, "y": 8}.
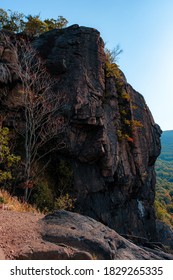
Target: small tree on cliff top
{"x": 32, "y": 25}
{"x": 42, "y": 108}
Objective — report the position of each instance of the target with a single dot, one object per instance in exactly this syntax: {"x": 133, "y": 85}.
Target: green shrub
{"x": 162, "y": 214}
{"x": 126, "y": 125}
{"x": 42, "y": 197}
{"x": 65, "y": 177}
{"x": 7, "y": 159}
{"x": 64, "y": 202}
{"x": 2, "y": 200}
{"x": 32, "y": 25}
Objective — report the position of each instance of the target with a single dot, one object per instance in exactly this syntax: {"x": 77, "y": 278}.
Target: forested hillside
{"x": 164, "y": 187}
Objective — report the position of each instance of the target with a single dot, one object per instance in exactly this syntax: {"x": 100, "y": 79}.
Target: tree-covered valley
{"x": 164, "y": 186}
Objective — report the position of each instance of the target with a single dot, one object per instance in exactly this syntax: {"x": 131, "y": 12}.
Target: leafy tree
{"x": 7, "y": 159}
{"x": 60, "y": 22}
{"x": 3, "y": 18}
{"x": 35, "y": 26}
{"x": 32, "y": 25}
{"x": 12, "y": 21}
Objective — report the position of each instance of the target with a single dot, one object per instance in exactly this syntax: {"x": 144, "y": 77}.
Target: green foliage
{"x": 121, "y": 135}
{"x": 167, "y": 144}
{"x": 125, "y": 95}
{"x": 127, "y": 123}
{"x": 42, "y": 197}
{"x": 112, "y": 55}
{"x": 136, "y": 123}
{"x": 35, "y": 26}
{"x": 2, "y": 200}
{"x": 164, "y": 185}
{"x": 32, "y": 25}
{"x": 12, "y": 21}
{"x": 60, "y": 22}
{"x": 7, "y": 159}
{"x": 65, "y": 199}
{"x": 64, "y": 202}
{"x": 48, "y": 195}
{"x": 162, "y": 214}
{"x": 65, "y": 177}
{"x": 112, "y": 68}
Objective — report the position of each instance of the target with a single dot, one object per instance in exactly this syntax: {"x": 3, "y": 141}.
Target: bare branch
{"x": 42, "y": 108}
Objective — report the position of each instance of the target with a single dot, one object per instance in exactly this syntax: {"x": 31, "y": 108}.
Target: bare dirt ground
{"x": 18, "y": 230}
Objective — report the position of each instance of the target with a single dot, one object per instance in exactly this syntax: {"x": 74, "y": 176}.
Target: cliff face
{"x": 112, "y": 139}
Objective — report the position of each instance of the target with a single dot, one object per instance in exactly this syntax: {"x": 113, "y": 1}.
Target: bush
{"x": 7, "y": 160}
{"x": 65, "y": 177}
{"x": 2, "y": 200}
{"x": 162, "y": 214}
{"x": 32, "y": 25}
{"x": 126, "y": 125}
{"x": 64, "y": 202}
{"x": 42, "y": 197}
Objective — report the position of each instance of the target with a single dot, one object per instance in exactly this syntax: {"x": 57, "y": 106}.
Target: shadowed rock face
{"x": 114, "y": 179}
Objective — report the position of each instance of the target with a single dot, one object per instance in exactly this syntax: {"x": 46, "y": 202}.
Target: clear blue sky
{"x": 144, "y": 30}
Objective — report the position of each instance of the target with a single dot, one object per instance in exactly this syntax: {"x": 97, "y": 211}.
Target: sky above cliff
{"x": 142, "y": 28}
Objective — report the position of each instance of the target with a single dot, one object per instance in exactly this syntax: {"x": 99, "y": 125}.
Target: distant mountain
{"x": 164, "y": 186}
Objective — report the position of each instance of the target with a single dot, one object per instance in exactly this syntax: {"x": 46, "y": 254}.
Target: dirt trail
{"x": 17, "y": 230}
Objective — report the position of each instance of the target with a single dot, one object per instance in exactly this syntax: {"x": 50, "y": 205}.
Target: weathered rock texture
{"x": 114, "y": 179}
{"x": 64, "y": 235}
{"x": 85, "y": 234}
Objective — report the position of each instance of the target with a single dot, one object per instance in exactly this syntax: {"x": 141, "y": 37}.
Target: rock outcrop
{"x": 113, "y": 141}
{"x": 42, "y": 250}
{"x": 65, "y": 235}
{"x": 114, "y": 179}
{"x": 85, "y": 234}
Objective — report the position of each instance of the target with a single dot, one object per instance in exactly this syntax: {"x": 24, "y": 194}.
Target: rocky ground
{"x": 64, "y": 235}
{"x": 16, "y": 230}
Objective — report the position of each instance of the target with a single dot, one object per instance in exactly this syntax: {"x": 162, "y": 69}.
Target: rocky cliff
{"x": 112, "y": 139}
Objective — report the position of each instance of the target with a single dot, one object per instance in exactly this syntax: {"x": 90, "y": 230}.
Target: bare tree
{"x": 41, "y": 107}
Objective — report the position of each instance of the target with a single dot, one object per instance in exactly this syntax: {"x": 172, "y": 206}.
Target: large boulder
{"x": 65, "y": 235}
{"x": 42, "y": 250}
{"x": 87, "y": 235}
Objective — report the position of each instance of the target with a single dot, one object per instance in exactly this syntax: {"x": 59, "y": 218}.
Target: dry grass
{"x": 7, "y": 202}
